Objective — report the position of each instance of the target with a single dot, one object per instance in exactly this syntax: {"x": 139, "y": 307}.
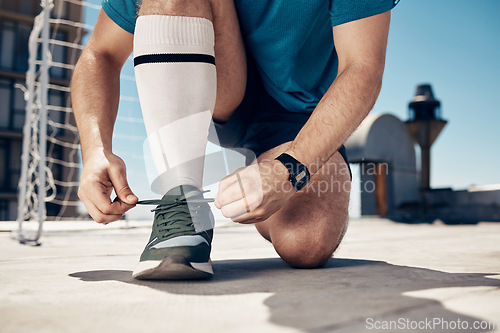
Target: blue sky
{"x": 452, "y": 44}
{"x": 455, "y": 46}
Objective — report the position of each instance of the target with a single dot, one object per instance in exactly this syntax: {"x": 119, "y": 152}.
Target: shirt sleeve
{"x": 343, "y": 11}
{"x": 122, "y": 12}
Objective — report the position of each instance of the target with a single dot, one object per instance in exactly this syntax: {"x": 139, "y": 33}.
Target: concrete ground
{"x": 385, "y": 275}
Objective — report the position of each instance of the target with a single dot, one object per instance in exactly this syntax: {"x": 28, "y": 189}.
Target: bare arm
{"x": 95, "y": 87}
{"x": 361, "y": 47}
{"x": 95, "y": 91}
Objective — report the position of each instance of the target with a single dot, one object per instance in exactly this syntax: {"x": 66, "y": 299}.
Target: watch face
{"x": 301, "y": 178}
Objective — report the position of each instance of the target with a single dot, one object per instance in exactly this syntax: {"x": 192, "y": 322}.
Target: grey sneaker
{"x": 180, "y": 243}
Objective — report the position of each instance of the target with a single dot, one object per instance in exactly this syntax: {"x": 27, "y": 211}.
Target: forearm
{"x": 95, "y": 91}
{"x": 346, "y": 103}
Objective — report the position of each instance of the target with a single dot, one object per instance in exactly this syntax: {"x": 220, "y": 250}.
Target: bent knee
{"x": 309, "y": 247}
{"x": 306, "y": 255}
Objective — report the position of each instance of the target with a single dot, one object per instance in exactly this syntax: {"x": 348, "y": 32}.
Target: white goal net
{"x": 50, "y": 163}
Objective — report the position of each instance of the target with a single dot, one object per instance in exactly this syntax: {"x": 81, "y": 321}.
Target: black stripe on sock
{"x": 173, "y": 57}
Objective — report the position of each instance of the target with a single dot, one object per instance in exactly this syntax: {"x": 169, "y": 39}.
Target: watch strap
{"x": 298, "y": 173}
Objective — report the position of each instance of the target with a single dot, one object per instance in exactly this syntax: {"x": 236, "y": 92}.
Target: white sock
{"x": 176, "y": 81}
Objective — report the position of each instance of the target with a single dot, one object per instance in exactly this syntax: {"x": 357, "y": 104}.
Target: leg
{"x": 175, "y": 45}
{"x": 309, "y": 227}
{"x": 229, "y": 50}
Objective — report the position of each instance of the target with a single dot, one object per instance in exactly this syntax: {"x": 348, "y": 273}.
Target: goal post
{"x": 36, "y": 99}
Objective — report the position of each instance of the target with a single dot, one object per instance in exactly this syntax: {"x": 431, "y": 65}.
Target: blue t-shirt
{"x": 290, "y": 41}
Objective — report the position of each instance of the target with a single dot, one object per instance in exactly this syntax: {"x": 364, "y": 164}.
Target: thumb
{"x": 119, "y": 179}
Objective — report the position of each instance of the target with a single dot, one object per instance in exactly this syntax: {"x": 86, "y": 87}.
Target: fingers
{"x": 249, "y": 218}
{"x": 99, "y": 216}
{"x": 235, "y": 202}
{"x": 118, "y": 177}
{"x": 224, "y": 184}
{"x": 232, "y": 193}
{"x": 254, "y": 216}
{"x": 234, "y": 209}
{"x": 99, "y": 178}
{"x": 99, "y": 195}
{"x": 239, "y": 193}
{"x": 252, "y": 194}
{"x": 243, "y": 183}
{"x": 96, "y": 199}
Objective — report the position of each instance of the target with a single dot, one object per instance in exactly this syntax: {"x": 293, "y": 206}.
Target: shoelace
{"x": 176, "y": 220}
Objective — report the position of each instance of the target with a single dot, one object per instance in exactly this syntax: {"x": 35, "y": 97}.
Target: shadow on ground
{"x": 342, "y": 295}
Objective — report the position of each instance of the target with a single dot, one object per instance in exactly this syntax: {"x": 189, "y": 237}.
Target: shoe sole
{"x": 173, "y": 268}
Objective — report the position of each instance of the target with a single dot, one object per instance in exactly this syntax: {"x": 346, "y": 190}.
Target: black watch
{"x": 298, "y": 174}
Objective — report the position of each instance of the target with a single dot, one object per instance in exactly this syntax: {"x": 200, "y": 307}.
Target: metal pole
{"x": 21, "y": 200}
{"x": 27, "y": 129}
{"x": 44, "y": 83}
{"x": 425, "y": 153}
{"x": 425, "y": 156}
